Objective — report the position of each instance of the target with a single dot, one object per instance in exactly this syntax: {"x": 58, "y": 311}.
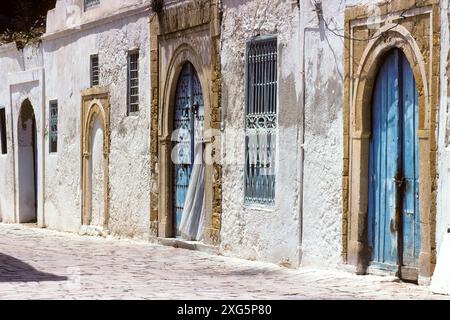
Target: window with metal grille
{"x": 3, "y": 141}
{"x": 261, "y": 121}
{"x": 90, "y": 3}
{"x": 53, "y": 119}
{"x": 95, "y": 71}
{"x": 133, "y": 82}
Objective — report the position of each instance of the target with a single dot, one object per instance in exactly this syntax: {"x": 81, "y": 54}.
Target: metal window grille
{"x": 90, "y": 3}
{"x": 261, "y": 121}
{"x": 4, "y": 147}
{"x": 95, "y": 73}
{"x": 133, "y": 82}
{"x": 53, "y": 127}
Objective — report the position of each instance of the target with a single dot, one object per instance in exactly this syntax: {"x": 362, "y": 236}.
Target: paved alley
{"x": 44, "y": 264}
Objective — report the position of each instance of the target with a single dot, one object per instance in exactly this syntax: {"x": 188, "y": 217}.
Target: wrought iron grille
{"x": 90, "y": 3}
{"x": 95, "y": 77}
{"x": 261, "y": 121}
{"x": 53, "y": 126}
{"x": 3, "y": 131}
{"x": 133, "y": 82}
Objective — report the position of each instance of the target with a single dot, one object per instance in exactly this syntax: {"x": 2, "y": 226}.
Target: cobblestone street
{"x": 43, "y": 264}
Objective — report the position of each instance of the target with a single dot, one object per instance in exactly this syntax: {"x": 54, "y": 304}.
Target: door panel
{"x": 410, "y": 205}
{"x": 394, "y": 166}
{"x": 384, "y": 164}
{"x": 188, "y": 129}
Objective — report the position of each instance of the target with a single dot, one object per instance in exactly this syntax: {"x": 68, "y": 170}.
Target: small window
{"x": 261, "y": 121}
{"x": 133, "y": 82}
{"x": 53, "y": 119}
{"x": 4, "y": 147}
{"x": 90, "y": 3}
{"x": 94, "y": 71}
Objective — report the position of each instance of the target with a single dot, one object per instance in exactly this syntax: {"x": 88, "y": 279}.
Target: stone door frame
{"x": 95, "y": 102}
{"x": 187, "y": 32}
{"x": 184, "y": 54}
{"x": 397, "y": 29}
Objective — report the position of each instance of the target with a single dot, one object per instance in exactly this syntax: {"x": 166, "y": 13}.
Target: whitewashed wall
{"x": 310, "y": 233}
{"x": 11, "y": 60}
{"x": 67, "y": 52}
{"x": 323, "y": 98}
{"x": 249, "y": 231}
{"x": 21, "y": 78}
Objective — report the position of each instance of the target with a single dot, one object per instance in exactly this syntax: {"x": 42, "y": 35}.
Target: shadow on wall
{"x": 14, "y": 270}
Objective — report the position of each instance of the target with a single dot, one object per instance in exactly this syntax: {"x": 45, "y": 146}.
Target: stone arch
{"x": 95, "y": 110}
{"x": 387, "y": 38}
{"x": 182, "y": 55}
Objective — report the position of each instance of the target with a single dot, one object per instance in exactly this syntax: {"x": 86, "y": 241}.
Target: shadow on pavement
{"x": 15, "y": 270}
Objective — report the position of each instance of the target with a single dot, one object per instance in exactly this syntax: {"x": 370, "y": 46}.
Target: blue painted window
{"x": 261, "y": 121}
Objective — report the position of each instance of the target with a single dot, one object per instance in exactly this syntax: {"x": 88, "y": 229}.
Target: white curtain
{"x": 192, "y": 219}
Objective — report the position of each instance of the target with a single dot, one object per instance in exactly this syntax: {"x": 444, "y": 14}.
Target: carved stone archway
{"x": 196, "y": 41}
{"x": 95, "y": 105}
{"x": 415, "y": 32}
{"x": 183, "y": 54}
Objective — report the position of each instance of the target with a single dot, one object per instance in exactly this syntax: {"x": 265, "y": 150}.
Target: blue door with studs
{"x": 188, "y": 131}
{"x": 394, "y": 220}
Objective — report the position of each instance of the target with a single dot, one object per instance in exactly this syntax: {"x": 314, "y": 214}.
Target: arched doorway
{"x": 188, "y": 168}
{"x": 27, "y": 164}
{"x": 394, "y": 219}
{"x": 95, "y": 148}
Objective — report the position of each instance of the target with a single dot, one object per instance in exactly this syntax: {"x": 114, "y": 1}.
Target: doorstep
{"x": 189, "y": 245}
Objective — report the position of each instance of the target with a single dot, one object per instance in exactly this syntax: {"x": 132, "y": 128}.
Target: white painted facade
{"x": 303, "y": 228}
{"x": 59, "y": 69}
{"x": 252, "y": 231}
{"x": 22, "y": 79}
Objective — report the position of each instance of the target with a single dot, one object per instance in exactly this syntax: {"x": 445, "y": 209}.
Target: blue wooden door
{"x": 393, "y": 230}
{"x": 188, "y": 130}
{"x": 410, "y": 219}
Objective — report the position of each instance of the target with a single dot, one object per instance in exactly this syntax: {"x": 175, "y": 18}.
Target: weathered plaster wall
{"x": 249, "y": 231}
{"x": 323, "y": 94}
{"x": 67, "y": 63}
{"x": 21, "y": 79}
{"x": 11, "y": 60}
{"x": 71, "y": 14}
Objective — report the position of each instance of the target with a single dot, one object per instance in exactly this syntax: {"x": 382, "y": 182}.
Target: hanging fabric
{"x": 192, "y": 220}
